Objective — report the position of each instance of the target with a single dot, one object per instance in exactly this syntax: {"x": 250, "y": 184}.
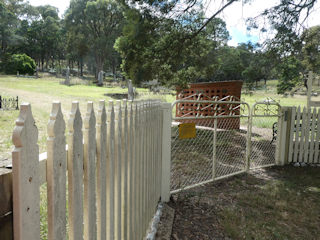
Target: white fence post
{"x": 75, "y": 174}
{"x": 26, "y": 193}
{"x": 284, "y": 136}
{"x": 89, "y": 173}
{"x": 101, "y": 170}
{"x": 166, "y": 151}
{"x": 56, "y": 174}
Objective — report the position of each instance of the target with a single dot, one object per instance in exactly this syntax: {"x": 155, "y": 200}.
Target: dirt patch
{"x": 165, "y": 225}
{"x": 274, "y": 203}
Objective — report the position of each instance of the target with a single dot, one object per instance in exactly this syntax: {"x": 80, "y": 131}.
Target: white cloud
{"x": 236, "y": 14}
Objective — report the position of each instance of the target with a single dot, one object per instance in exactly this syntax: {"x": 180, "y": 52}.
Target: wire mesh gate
{"x": 264, "y": 130}
{"x": 229, "y": 139}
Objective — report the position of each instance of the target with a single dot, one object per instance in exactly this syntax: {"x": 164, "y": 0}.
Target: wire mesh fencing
{"x": 231, "y": 146}
{"x": 223, "y": 145}
{"x": 263, "y": 141}
{"x": 191, "y": 159}
{"x": 217, "y": 149}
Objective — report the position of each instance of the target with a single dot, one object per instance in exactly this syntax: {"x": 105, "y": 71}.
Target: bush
{"x": 21, "y": 63}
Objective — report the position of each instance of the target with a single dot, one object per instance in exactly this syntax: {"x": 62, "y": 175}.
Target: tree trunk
{"x": 81, "y": 67}
{"x": 99, "y": 64}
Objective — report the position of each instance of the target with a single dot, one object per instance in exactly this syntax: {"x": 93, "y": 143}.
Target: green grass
{"x": 283, "y": 208}
{"x": 275, "y": 203}
{"x": 41, "y": 92}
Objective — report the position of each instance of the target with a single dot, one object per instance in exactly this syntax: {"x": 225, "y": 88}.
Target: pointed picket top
{"x": 25, "y": 176}
{"x": 56, "y": 174}
{"x": 25, "y": 122}
{"x": 130, "y": 107}
{"x": 74, "y": 117}
{"x": 56, "y": 124}
{"x": 90, "y": 119}
{"x": 110, "y": 114}
{"x": 125, "y": 107}
{"x": 117, "y": 110}
{"x": 101, "y": 115}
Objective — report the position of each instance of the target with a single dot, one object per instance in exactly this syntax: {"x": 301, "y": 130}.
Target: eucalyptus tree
{"x": 161, "y": 43}
{"x": 311, "y": 48}
{"x": 98, "y": 23}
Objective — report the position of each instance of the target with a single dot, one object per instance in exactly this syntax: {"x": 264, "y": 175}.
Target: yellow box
{"x": 187, "y": 130}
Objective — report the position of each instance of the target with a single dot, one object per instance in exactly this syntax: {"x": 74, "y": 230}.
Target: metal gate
{"x": 227, "y": 139}
{"x": 264, "y": 130}
{"x": 219, "y": 146}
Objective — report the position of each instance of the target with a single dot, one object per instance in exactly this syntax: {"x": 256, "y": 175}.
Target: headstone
{"x": 130, "y": 90}
{"x": 100, "y": 78}
{"x": 67, "y": 82}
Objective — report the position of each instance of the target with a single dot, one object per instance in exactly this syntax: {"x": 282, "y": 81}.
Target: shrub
{"x": 21, "y": 63}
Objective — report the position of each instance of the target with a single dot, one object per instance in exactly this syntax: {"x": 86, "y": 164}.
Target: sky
{"x": 235, "y": 16}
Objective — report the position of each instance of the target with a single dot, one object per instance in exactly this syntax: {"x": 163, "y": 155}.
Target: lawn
{"x": 41, "y": 92}
{"x": 275, "y": 203}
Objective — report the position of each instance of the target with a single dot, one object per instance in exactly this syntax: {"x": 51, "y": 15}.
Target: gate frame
{"x": 280, "y": 141}
{"x": 267, "y": 102}
{"x": 215, "y": 118}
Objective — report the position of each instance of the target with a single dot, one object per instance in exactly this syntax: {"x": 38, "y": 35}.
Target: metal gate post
{"x": 166, "y": 151}
{"x": 248, "y": 152}
{"x": 214, "y": 154}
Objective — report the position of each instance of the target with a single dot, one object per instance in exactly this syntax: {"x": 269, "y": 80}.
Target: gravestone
{"x": 130, "y": 90}
{"x": 100, "y": 78}
{"x": 67, "y": 81}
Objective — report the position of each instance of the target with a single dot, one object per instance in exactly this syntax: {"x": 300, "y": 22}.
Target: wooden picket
{"x": 110, "y": 171}
{"x": 101, "y": 171}
{"x": 317, "y": 139}
{"x": 25, "y": 177}
{"x": 75, "y": 174}
{"x": 113, "y": 162}
{"x": 89, "y": 167}
{"x": 117, "y": 170}
{"x": 56, "y": 174}
{"x": 304, "y": 136}
{"x": 124, "y": 171}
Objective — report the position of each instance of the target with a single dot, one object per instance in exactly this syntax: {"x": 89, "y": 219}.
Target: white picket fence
{"x": 106, "y": 184}
{"x": 304, "y": 135}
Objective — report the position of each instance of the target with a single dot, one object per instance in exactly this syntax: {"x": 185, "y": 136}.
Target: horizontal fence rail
{"x": 105, "y": 184}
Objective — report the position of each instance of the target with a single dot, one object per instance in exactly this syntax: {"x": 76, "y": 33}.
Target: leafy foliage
{"x": 21, "y": 63}
{"x": 289, "y": 74}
